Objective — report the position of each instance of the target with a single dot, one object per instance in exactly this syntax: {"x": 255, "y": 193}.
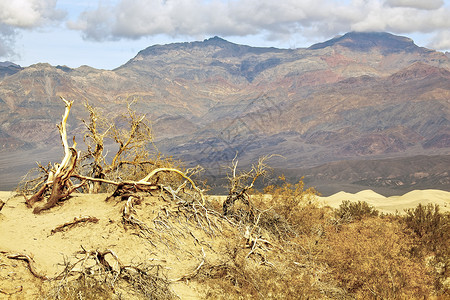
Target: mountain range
{"x": 361, "y": 97}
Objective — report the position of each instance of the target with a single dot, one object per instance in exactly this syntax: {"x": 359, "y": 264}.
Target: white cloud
{"x": 137, "y": 18}
{"x": 29, "y": 13}
{"x": 441, "y": 40}
{"x": 403, "y": 20}
{"x": 95, "y": 24}
{"x": 7, "y": 34}
{"x": 24, "y": 14}
{"x": 419, "y": 4}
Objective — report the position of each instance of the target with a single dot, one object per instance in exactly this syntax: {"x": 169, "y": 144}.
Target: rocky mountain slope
{"x": 357, "y": 96}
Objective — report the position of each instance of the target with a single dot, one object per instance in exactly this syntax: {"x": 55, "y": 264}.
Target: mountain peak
{"x": 163, "y": 49}
{"x": 8, "y": 68}
{"x": 366, "y": 41}
{"x": 215, "y": 47}
{"x": 8, "y": 64}
{"x": 215, "y": 39}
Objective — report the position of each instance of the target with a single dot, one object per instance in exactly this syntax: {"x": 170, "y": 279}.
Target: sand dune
{"x": 393, "y": 203}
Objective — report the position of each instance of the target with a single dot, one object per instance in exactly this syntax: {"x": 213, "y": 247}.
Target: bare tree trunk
{"x": 60, "y": 183}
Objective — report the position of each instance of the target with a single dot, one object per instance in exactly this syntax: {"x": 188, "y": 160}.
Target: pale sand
{"x": 393, "y": 203}
{"x": 5, "y": 195}
{"x": 23, "y": 232}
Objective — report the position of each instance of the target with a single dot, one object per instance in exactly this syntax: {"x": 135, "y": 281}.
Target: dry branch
{"x": 29, "y": 262}
{"x": 241, "y": 183}
{"x": 73, "y": 223}
{"x": 154, "y": 172}
{"x": 144, "y": 278}
{"x": 97, "y": 153}
{"x": 99, "y": 257}
{"x": 143, "y": 184}
{"x": 132, "y": 143}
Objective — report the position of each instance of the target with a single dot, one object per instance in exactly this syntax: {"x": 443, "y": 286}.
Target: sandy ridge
{"x": 393, "y": 203}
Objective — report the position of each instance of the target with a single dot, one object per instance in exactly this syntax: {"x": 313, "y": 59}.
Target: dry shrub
{"x": 254, "y": 277}
{"x": 289, "y": 209}
{"x": 288, "y": 199}
{"x": 256, "y": 282}
{"x": 431, "y": 228}
{"x": 146, "y": 284}
{"x": 138, "y": 285}
{"x": 349, "y": 211}
{"x": 84, "y": 287}
{"x": 279, "y": 215}
{"x": 214, "y": 203}
{"x": 371, "y": 259}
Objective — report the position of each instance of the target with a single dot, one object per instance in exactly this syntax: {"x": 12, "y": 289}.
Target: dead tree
{"x": 95, "y": 151}
{"x": 58, "y": 180}
{"x": 240, "y": 183}
{"x": 131, "y": 142}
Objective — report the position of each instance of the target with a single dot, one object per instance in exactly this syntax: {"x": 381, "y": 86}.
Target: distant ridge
{"x": 8, "y": 68}
{"x": 8, "y": 64}
{"x": 385, "y": 176}
{"x": 218, "y": 48}
{"x": 361, "y": 96}
{"x": 366, "y": 41}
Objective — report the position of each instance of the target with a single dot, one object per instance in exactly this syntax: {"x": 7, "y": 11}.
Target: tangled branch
{"x": 240, "y": 183}
{"x": 57, "y": 179}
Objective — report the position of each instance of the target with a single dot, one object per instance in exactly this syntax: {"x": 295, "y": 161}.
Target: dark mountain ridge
{"x": 367, "y": 41}
{"x": 8, "y": 68}
{"x": 220, "y": 47}
{"x": 359, "y": 96}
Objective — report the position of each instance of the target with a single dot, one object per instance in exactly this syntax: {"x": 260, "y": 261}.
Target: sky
{"x": 105, "y": 34}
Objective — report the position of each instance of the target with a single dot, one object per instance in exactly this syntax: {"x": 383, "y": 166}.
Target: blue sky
{"x": 107, "y": 33}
